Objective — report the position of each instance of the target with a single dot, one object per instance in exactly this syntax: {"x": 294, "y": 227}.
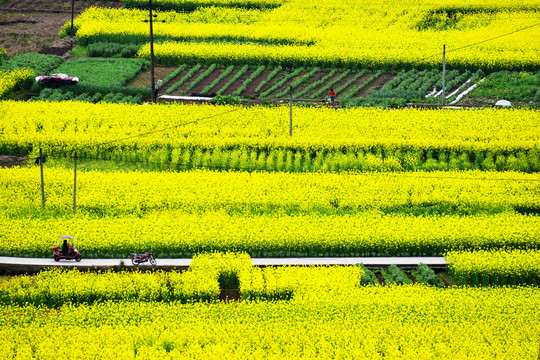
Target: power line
{"x": 480, "y": 42}
{"x": 163, "y": 129}
{"x": 493, "y": 38}
{"x": 141, "y": 134}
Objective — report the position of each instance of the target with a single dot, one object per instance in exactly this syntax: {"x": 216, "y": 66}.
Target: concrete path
{"x": 368, "y": 261}
{"x": 193, "y": 98}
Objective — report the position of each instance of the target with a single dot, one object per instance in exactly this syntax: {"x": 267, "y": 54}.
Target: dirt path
{"x": 33, "y": 25}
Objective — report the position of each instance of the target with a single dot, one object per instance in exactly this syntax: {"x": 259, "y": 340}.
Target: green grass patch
{"x": 80, "y": 51}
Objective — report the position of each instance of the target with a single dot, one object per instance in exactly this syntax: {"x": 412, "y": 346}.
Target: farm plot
{"x": 318, "y": 215}
{"x": 328, "y": 303}
{"x": 256, "y": 138}
{"x": 521, "y": 88}
{"x": 295, "y": 34}
{"x": 103, "y": 72}
{"x": 265, "y": 82}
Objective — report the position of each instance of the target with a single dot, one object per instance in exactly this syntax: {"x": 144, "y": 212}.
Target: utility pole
{"x": 443, "y": 75}
{"x": 42, "y": 182}
{"x": 72, "y": 11}
{"x": 152, "y": 55}
{"x": 75, "y": 187}
{"x": 290, "y": 112}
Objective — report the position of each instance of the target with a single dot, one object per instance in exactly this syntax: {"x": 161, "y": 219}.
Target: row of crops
{"x": 210, "y": 274}
{"x": 296, "y": 34}
{"x": 270, "y": 215}
{"x": 267, "y": 82}
{"x": 327, "y": 317}
{"x": 194, "y": 135}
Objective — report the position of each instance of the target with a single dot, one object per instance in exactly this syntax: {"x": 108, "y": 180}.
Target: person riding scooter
{"x": 65, "y": 248}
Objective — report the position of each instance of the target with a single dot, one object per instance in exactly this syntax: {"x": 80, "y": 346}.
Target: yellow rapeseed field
{"x": 268, "y": 214}
{"x": 330, "y": 318}
{"x": 10, "y": 80}
{"x": 336, "y": 33}
{"x": 70, "y": 126}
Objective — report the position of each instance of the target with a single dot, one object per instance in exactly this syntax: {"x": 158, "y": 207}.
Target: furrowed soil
{"x": 160, "y": 72}
{"x": 237, "y": 83}
{"x": 377, "y": 84}
{"x": 33, "y": 25}
{"x": 336, "y": 81}
{"x": 198, "y": 89}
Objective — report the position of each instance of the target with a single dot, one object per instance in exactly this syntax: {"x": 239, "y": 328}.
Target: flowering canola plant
{"x": 338, "y": 33}
{"x": 320, "y": 214}
{"x": 111, "y": 131}
{"x": 496, "y": 267}
{"x": 10, "y": 80}
{"x": 330, "y": 318}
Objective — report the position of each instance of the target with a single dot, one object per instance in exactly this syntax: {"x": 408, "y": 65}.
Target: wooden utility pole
{"x": 75, "y": 186}
{"x": 42, "y": 182}
{"x": 72, "y": 15}
{"x": 443, "y": 75}
{"x": 290, "y": 112}
{"x": 152, "y": 55}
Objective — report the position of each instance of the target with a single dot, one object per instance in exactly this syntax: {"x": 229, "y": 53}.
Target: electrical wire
{"x": 94, "y": 146}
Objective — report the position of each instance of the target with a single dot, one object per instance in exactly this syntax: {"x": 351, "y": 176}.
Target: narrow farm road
{"x": 368, "y": 261}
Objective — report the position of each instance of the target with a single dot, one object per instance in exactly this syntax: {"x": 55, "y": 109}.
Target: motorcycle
{"x": 68, "y": 252}
{"x": 137, "y": 259}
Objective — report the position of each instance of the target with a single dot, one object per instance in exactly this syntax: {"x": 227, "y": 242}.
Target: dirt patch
{"x": 250, "y": 89}
{"x": 11, "y": 161}
{"x": 356, "y": 83}
{"x": 377, "y": 84}
{"x": 380, "y": 278}
{"x": 160, "y": 72}
{"x": 197, "y": 89}
{"x": 33, "y": 25}
{"x": 179, "y": 91}
{"x": 235, "y": 85}
{"x": 229, "y": 295}
{"x": 172, "y": 81}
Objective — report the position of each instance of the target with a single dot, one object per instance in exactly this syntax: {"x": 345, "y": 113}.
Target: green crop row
{"x": 382, "y": 160}
{"x": 235, "y": 77}
{"x": 103, "y": 72}
{"x": 184, "y": 79}
{"x": 281, "y": 82}
{"x": 216, "y": 81}
{"x": 249, "y": 80}
{"x": 200, "y": 78}
{"x": 111, "y": 49}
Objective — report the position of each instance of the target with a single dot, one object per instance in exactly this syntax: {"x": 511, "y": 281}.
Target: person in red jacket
{"x": 332, "y": 94}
